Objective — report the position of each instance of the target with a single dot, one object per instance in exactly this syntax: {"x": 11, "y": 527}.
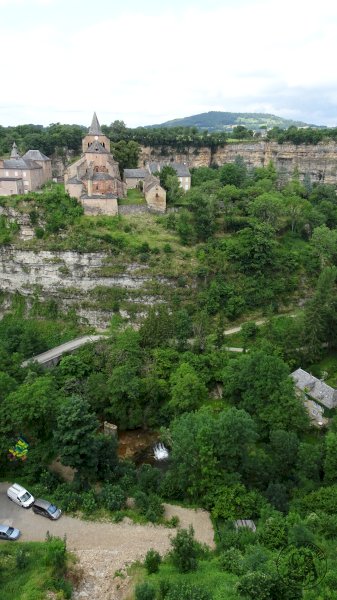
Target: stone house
{"x": 155, "y": 195}
{"x": 94, "y": 179}
{"x": 23, "y": 174}
{"x": 316, "y": 395}
{"x": 132, "y": 177}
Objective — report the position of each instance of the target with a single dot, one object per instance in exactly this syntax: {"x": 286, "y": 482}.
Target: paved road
{"x": 56, "y": 352}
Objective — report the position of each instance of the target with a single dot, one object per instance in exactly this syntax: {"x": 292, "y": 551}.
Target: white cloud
{"x": 146, "y": 69}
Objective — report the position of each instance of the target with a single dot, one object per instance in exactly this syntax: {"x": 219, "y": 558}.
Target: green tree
{"x": 75, "y": 438}
{"x": 259, "y": 383}
{"x": 184, "y": 550}
{"x": 188, "y": 392}
{"x": 330, "y": 461}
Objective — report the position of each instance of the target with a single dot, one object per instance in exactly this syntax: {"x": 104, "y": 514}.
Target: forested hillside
{"x": 236, "y": 248}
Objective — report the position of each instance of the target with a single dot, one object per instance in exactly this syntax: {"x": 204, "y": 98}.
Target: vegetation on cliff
{"x": 238, "y": 245}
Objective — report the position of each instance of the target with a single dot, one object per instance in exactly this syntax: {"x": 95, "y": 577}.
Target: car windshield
{"x": 25, "y": 497}
{"x": 52, "y": 509}
{"x": 10, "y": 530}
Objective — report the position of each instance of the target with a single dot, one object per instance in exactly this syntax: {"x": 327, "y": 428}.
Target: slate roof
{"x": 135, "y": 173}
{"x": 95, "y": 128}
{"x": 20, "y": 163}
{"x": 101, "y": 176}
{"x": 150, "y": 182}
{"x": 315, "y": 388}
{"x": 181, "y": 169}
{"x": 96, "y": 148}
{"x": 74, "y": 180}
{"x": 35, "y": 155}
{"x": 245, "y": 523}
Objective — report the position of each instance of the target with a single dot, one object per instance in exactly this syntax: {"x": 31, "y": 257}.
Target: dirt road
{"x": 104, "y": 548}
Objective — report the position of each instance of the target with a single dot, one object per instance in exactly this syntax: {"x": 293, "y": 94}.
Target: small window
{"x": 24, "y": 173}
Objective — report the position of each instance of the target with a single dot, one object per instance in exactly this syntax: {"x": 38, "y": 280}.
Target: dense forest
{"x": 241, "y": 442}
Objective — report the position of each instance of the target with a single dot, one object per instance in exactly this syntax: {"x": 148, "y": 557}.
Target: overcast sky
{"x": 149, "y": 61}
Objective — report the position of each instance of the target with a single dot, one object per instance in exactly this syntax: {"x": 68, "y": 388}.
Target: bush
{"x": 148, "y": 479}
{"x": 164, "y": 588}
{"x": 149, "y": 506}
{"x": 184, "y": 553}
{"x": 152, "y": 561}
{"x": 67, "y": 498}
{"x": 231, "y": 561}
{"x": 113, "y": 497}
{"x": 186, "y": 591}
{"x": 56, "y": 553}
{"x": 21, "y": 558}
{"x": 89, "y": 502}
{"x": 145, "y": 591}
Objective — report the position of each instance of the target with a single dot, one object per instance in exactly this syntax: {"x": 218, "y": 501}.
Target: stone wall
{"x": 132, "y": 209}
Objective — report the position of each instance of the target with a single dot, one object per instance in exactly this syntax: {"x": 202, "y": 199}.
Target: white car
{"x": 20, "y": 496}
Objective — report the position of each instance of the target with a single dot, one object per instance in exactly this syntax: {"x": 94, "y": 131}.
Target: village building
{"x": 155, "y": 195}
{"x": 133, "y": 177}
{"x": 316, "y": 395}
{"x": 94, "y": 179}
{"x": 23, "y": 174}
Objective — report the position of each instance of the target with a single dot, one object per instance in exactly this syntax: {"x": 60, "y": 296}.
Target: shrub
{"x": 184, "y": 553}
{"x": 231, "y": 561}
{"x": 145, "y": 591}
{"x": 89, "y": 502}
{"x": 113, "y": 497}
{"x": 56, "y": 553}
{"x": 148, "y": 479}
{"x": 164, "y": 588}
{"x": 186, "y": 591}
{"x": 152, "y": 561}
{"x": 167, "y": 248}
{"x": 67, "y": 498}
{"x": 21, "y": 558}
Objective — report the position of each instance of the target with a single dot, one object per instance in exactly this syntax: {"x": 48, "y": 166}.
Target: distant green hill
{"x": 225, "y": 121}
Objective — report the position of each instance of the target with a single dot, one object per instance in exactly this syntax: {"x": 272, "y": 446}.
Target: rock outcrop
{"x": 77, "y": 280}
{"x": 319, "y": 162}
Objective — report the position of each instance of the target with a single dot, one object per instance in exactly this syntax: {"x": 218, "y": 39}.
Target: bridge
{"x": 53, "y": 356}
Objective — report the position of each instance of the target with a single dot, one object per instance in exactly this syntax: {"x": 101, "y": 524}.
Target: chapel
{"x": 95, "y": 178}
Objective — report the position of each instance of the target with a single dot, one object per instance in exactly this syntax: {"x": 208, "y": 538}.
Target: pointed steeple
{"x": 14, "y": 153}
{"x": 95, "y": 128}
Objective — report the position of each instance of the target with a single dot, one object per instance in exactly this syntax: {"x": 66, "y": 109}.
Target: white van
{"x": 20, "y": 496}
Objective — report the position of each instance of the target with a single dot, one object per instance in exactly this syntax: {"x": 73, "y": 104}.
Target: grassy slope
{"x": 31, "y": 582}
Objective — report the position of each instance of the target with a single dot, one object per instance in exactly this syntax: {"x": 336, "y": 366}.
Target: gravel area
{"x": 104, "y": 548}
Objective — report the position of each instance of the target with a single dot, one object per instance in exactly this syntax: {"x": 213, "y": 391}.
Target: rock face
{"x": 69, "y": 278}
{"x": 317, "y": 161}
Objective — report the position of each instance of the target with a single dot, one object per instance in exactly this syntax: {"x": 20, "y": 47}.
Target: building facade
{"x": 23, "y": 174}
{"x": 94, "y": 179}
{"x": 132, "y": 177}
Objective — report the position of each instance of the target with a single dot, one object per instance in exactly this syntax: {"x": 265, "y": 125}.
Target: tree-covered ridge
{"x": 220, "y": 121}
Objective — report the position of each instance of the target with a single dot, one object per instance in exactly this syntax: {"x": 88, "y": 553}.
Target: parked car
{"x": 9, "y": 533}
{"x": 46, "y": 509}
{"x": 20, "y": 496}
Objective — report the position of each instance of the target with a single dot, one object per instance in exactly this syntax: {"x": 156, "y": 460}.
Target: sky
{"x": 147, "y": 62}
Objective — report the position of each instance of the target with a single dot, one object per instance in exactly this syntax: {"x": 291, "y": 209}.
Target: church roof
{"x": 96, "y": 148}
{"x": 95, "y": 128}
{"x": 35, "y": 155}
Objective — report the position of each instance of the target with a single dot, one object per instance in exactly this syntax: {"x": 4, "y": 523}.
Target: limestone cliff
{"x": 83, "y": 281}
{"x": 318, "y": 161}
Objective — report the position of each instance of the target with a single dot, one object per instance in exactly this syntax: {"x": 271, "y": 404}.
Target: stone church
{"x": 95, "y": 178}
